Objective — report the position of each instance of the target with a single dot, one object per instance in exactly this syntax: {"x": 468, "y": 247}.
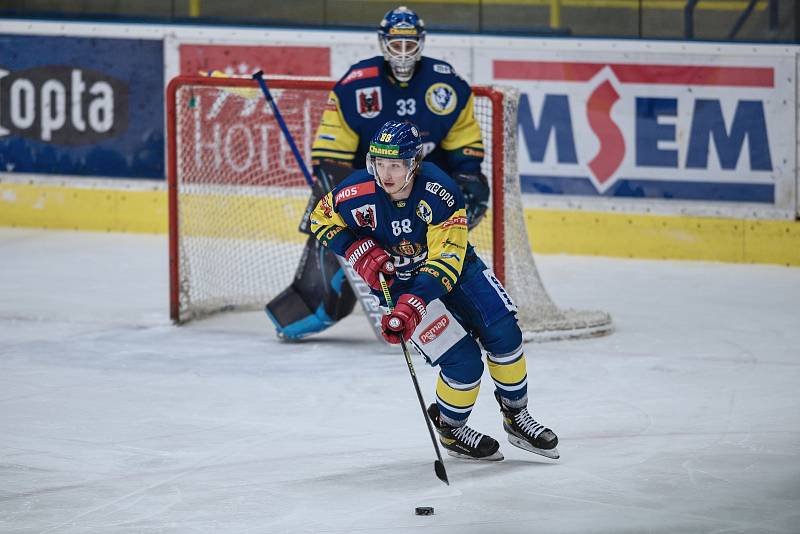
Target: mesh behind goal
{"x": 236, "y": 196}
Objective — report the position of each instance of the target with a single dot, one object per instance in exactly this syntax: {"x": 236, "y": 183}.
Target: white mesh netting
{"x": 539, "y": 317}
{"x": 237, "y": 197}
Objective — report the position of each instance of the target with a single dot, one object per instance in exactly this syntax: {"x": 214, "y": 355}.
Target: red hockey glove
{"x": 404, "y": 319}
{"x": 368, "y": 259}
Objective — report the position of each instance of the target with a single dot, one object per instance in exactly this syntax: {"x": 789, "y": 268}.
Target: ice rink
{"x": 686, "y": 419}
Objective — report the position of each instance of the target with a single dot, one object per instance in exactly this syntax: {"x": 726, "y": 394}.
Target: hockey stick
{"x": 369, "y": 302}
{"x": 438, "y": 464}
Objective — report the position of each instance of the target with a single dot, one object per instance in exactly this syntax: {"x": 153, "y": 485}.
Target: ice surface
{"x": 687, "y": 419}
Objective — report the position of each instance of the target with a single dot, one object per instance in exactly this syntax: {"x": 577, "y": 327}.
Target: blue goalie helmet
{"x": 396, "y": 140}
{"x": 401, "y": 36}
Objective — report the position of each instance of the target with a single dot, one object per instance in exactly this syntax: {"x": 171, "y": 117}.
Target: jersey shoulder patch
{"x": 363, "y": 70}
{"x": 440, "y": 197}
{"x": 441, "y": 98}
{"x": 442, "y": 71}
{"x": 357, "y": 185}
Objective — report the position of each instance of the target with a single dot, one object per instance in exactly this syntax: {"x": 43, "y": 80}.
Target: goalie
{"x": 405, "y": 219}
{"x": 402, "y": 84}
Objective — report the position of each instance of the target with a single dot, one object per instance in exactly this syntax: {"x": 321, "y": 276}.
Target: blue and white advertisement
{"x": 81, "y": 106}
{"x": 714, "y": 130}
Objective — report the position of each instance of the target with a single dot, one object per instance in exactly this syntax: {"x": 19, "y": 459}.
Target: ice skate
{"x": 463, "y": 441}
{"x": 524, "y": 432}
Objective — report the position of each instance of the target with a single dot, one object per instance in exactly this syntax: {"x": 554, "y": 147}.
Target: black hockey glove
{"x": 475, "y": 188}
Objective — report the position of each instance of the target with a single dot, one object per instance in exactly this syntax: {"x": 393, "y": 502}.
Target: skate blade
{"x": 496, "y": 457}
{"x": 522, "y": 444}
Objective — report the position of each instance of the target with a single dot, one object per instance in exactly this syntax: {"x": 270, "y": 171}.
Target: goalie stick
{"x": 438, "y": 464}
{"x": 369, "y": 302}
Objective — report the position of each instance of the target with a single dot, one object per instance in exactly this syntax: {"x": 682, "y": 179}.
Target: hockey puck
{"x": 423, "y": 510}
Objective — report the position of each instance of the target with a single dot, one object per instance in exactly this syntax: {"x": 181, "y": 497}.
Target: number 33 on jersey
{"x": 435, "y": 99}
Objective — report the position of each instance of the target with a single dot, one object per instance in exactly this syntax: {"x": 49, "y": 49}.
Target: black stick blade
{"x": 441, "y": 474}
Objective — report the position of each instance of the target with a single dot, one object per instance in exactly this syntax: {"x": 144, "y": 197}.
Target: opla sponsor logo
{"x": 435, "y": 330}
{"x": 62, "y": 105}
{"x": 611, "y": 121}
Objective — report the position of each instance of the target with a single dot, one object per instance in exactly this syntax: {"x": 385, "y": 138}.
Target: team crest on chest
{"x": 424, "y": 211}
{"x": 365, "y": 216}
{"x": 368, "y": 102}
{"x": 407, "y": 248}
{"x": 441, "y": 99}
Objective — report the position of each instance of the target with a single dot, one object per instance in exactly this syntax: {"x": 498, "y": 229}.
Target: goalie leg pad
{"x": 318, "y": 297}
{"x": 292, "y": 317}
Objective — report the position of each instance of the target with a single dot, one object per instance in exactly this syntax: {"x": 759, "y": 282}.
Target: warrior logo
{"x": 368, "y": 102}
{"x": 365, "y": 216}
{"x": 441, "y": 99}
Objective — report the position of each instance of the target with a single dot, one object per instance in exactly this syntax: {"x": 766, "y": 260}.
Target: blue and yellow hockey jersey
{"x": 426, "y": 233}
{"x": 436, "y": 99}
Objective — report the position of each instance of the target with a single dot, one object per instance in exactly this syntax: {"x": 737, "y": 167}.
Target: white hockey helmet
{"x": 401, "y": 36}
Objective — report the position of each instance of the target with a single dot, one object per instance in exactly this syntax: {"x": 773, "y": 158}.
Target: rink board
{"x": 550, "y": 231}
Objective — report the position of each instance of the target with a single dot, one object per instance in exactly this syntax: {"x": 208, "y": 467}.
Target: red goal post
{"x": 235, "y": 200}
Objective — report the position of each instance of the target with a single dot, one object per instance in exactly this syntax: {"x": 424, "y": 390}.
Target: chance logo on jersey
{"x": 365, "y": 216}
{"x": 441, "y": 98}
{"x": 368, "y": 102}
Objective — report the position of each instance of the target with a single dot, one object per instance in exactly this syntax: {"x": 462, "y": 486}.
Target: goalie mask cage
{"x": 236, "y": 196}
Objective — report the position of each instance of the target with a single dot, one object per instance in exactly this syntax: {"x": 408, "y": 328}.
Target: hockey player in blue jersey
{"x": 401, "y": 84}
{"x": 405, "y": 218}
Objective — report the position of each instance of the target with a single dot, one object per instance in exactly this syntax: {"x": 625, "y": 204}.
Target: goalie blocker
{"x": 319, "y": 295}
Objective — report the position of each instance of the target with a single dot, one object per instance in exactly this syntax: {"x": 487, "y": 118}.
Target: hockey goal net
{"x": 236, "y": 196}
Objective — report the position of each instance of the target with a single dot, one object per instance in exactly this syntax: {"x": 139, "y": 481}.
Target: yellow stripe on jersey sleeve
{"x": 465, "y": 131}
{"x": 325, "y": 219}
{"x": 334, "y": 138}
{"x": 452, "y": 232}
